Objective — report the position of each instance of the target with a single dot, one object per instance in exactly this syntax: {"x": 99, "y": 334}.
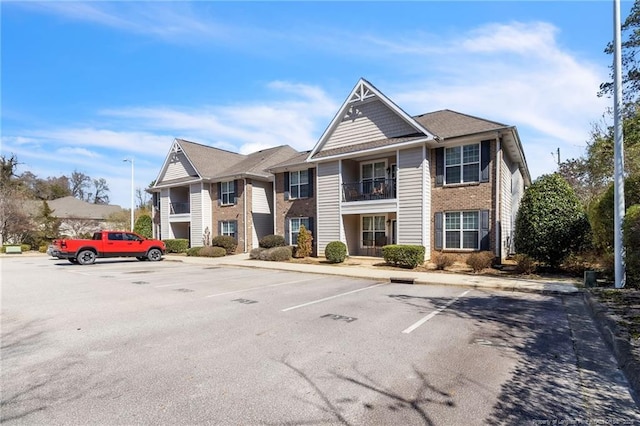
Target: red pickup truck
{"x": 109, "y": 244}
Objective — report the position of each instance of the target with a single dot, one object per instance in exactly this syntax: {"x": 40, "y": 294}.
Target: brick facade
{"x": 285, "y": 209}
{"x": 460, "y": 197}
{"x": 231, "y": 212}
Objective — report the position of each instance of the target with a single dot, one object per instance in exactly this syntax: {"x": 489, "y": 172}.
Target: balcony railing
{"x": 179, "y": 208}
{"x": 371, "y": 189}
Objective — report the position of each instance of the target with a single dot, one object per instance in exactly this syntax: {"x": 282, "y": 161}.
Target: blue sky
{"x": 85, "y": 85}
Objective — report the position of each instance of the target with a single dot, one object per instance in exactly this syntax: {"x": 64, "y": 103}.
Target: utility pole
{"x": 618, "y": 152}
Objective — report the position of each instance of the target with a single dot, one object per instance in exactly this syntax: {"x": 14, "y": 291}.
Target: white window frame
{"x": 224, "y": 228}
{"x": 300, "y": 221}
{"x": 373, "y": 178}
{"x": 461, "y": 229}
{"x": 462, "y": 164}
{"x": 298, "y": 185}
{"x": 374, "y": 230}
{"x": 227, "y": 189}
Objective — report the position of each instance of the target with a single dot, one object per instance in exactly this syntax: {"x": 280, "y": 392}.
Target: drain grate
{"x": 339, "y": 317}
{"x": 184, "y": 290}
{"x": 398, "y": 280}
{"x": 245, "y": 301}
{"x": 140, "y": 282}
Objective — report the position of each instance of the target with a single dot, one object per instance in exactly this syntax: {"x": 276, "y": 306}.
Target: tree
{"x": 304, "y": 242}
{"x": 8, "y": 168}
{"x": 551, "y": 222}
{"x": 15, "y": 223}
{"x": 144, "y": 226}
{"x": 79, "y": 228}
{"x": 79, "y": 185}
{"x": 631, "y": 228}
{"x": 100, "y": 194}
{"x": 49, "y": 225}
{"x": 143, "y": 199}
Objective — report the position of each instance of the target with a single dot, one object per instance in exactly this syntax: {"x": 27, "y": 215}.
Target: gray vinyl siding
{"x": 328, "y": 204}
{"x": 373, "y": 121}
{"x": 410, "y": 196}
{"x": 207, "y": 210}
{"x": 165, "y": 229}
{"x": 261, "y": 197}
{"x": 426, "y": 205}
{"x": 506, "y": 204}
{"x": 197, "y": 230}
{"x": 178, "y": 167}
{"x": 517, "y": 192}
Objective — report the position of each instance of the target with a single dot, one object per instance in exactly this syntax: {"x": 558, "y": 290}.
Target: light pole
{"x": 130, "y": 160}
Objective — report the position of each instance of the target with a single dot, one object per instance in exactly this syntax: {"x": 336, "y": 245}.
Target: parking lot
{"x": 128, "y": 342}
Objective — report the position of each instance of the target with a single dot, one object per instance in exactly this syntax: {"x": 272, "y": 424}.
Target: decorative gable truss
{"x": 177, "y": 166}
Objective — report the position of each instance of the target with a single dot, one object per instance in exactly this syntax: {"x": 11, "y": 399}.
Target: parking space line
{"x": 434, "y": 313}
{"x": 262, "y": 286}
{"x": 331, "y": 297}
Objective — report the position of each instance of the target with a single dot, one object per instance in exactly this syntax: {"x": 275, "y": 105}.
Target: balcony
{"x": 370, "y": 189}
{"x": 179, "y": 211}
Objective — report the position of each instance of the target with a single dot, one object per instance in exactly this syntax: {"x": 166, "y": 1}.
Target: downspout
{"x": 244, "y": 208}
{"x": 498, "y": 248}
{"x": 274, "y": 205}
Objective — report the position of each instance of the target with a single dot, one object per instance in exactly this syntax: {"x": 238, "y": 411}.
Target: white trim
{"x": 424, "y": 197}
{"x": 230, "y": 203}
{"x": 290, "y": 227}
{"x": 397, "y": 196}
{"x": 462, "y": 164}
{"x": 461, "y": 230}
{"x": 356, "y": 154}
{"x": 299, "y": 184}
{"x": 341, "y": 230}
{"x": 361, "y": 231}
{"x": 498, "y": 214}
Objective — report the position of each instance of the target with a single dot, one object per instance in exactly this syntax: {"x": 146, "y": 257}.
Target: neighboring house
{"x": 77, "y": 217}
{"x": 202, "y": 192}
{"x": 443, "y": 180}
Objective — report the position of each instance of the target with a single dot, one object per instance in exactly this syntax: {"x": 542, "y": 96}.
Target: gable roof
{"x": 364, "y": 91}
{"x": 71, "y": 207}
{"x": 257, "y": 164}
{"x": 448, "y": 124}
{"x": 208, "y": 161}
{"x": 298, "y": 159}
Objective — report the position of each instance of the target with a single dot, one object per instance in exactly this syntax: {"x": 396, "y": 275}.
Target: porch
{"x": 366, "y": 234}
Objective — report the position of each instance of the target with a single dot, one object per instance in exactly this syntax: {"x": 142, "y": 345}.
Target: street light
{"x": 130, "y": 160}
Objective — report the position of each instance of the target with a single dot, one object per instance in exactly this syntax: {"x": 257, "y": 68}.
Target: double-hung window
{"x": 462, "y": 164}
{"x": 227, "y": 193}
{"x": 373, "y": 230}
{"x": 294, "y": 228}
{"x": 462, "y": 230}
{"x": 228, "y": 228}
{"x": 299, "y": 184}
{"x": 373, "y": 175}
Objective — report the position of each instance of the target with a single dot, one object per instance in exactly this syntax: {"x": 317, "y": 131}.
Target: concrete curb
{"x": 621, "y": 348}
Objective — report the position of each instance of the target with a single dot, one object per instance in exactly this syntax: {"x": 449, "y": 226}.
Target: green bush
{"x": 443, "y": 261}
{"x": 631, "y": 229}
{"x": 551, "y": 222}
{"x": 304, "y": 242}
{"x": 405, "y": 256}
{"x": 43, "y": 248}
{"x": 177, "y": 245}
{"x": 144, "y": 226}
{"x": 23, "y": 247}
{"x": 193, "y": 251}
{"x": 212, "y": 251}
{"x": 226, "y": 242}
{"x": 524, "y": 264}
{"x": 335, "y": 252}
{"x": 480, "y": 260}
{"x": 269, "y": 241}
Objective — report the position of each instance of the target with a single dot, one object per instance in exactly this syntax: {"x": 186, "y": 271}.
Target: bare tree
{"x": 100, "y": 196}
{"x": 76, "y": 227}
{"x": 79, "y": 185}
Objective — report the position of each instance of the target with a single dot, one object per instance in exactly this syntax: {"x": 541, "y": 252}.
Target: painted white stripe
{"x": 331, "y": 297}
{"x": 263, "y": 286}
{"x": 434, "y": 313}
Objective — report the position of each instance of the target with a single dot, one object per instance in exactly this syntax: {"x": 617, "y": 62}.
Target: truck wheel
{"x": 154, "y": 254}
{"x": 86, "y": 257}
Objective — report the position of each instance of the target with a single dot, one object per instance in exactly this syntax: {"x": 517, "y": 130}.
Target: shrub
{"x": 144, "y": 226}
{"x": 631, "y": 230}
{"x": 335, "y": 252}
{"x": 43, "y": 248}
{"x": 269, "y": 241}
{"x": 524, "y": 264}
{"x": 304, "y": 242}
{"x": 23, "y": 247}
{"x": 255, "y": 253}
{"x": 276, "y": 254}
{"x": 480, "y": 260}
{"x": 226, "y": 242}
{"x": 551, "y": 222}
{"x": 443, "y": 261}
{"x": 193, "y": 251}
{"x": 177, "y": 245}
{"x": 212, "y": 251}
{"x": 405, "y": 256}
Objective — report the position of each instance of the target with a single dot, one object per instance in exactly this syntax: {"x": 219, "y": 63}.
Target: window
{"x": 227, "y": 193}
{"x": 462, "y": 230}
{"x": 373, "y": 174}
{"x": 131, "y": 237}
{"x": 299, "y": 184}
{"x": 373, "y": 230}
{"x": 462, "y": 164}
{"x": 228, "y": 228}
{"x": 294, "y": 228}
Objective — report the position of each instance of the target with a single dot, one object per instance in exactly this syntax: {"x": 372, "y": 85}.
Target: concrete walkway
{"x": 368, "y": 271}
